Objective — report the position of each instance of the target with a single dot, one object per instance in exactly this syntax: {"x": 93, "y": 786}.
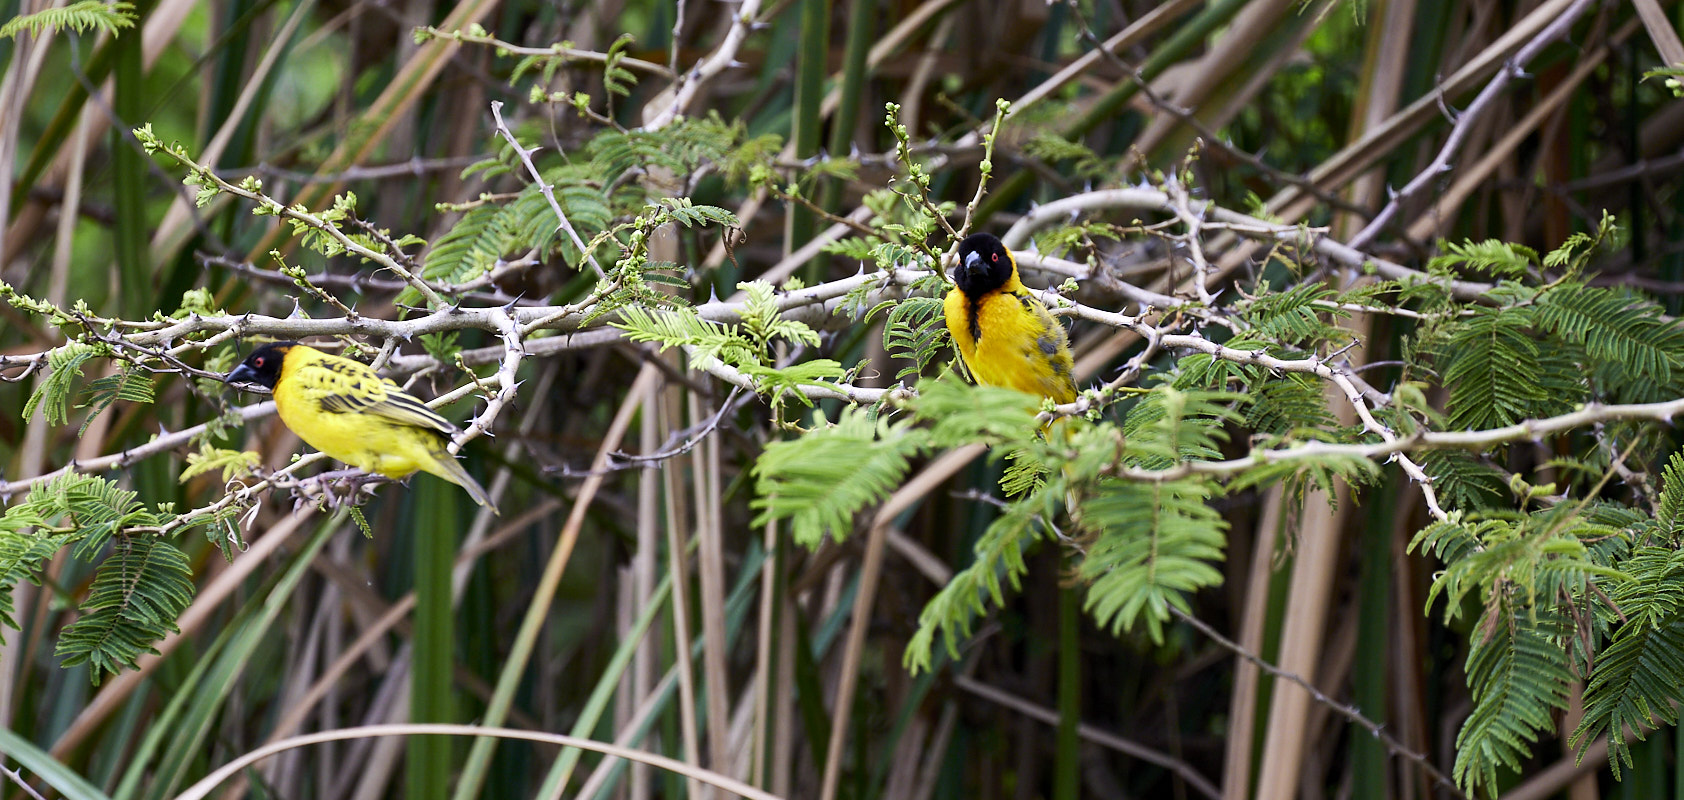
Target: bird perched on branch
{"x": 342, "y": 408}
{"x": 1003, "y": 333}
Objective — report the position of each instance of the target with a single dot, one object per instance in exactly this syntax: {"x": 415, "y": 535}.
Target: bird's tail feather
{"x": 448, "y": 468}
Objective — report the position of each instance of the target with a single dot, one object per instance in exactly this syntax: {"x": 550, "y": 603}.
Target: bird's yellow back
{"x": 342, "y": 408}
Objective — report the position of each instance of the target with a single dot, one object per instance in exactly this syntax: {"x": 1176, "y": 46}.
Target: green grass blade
{"x": 1369, "y": 685}
{"x": 187, "y": 737}
{"x": 737, "y": 606}
{"x": 480, "y": 757}
{"x": 128, "y": 166}
{"x": 430, "y": 692}
{"x": 63, "y": 779}
{"x": 1067, "y": 754}
{"x": 810, "y": 68}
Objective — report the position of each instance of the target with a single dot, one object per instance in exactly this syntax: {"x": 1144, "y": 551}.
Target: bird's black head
{"x": 263, "y": 366}
{"x": 984, "y": 265}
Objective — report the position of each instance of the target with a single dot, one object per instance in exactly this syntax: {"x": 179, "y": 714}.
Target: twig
{"x": 986, "y": 167}
{"x": 1252, "y": 227}
{"x": 13, "y": 776}
{"x": 1465, "y": 120}
{"x": 1210, "y": 137}
{"x": 1092, "y": 733}
{"x": 365, "y": 283}
{"x": 544, "y": 187}
{"x": 414, "y": 167}
{"x": 506, "y": 372}
{"x": 572, "y": 53}
{"x": 690, "y": 82}
{"x": 268, "y": 205}
{"x": 1191, "y": 239}
{"x": 680, "y": 442}
{"x": 1396, "y": 747}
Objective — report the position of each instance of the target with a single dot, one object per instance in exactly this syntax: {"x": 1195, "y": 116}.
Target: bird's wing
{"x": 1054, "y": 346}
{"x": 342, "y": 386}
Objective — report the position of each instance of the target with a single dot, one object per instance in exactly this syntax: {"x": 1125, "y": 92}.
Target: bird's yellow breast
{"x": 1007, "y": 338}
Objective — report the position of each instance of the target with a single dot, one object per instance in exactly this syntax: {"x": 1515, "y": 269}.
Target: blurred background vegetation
{"x": 1298, "y": 112}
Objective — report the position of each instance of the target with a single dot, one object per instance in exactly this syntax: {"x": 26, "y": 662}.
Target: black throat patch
{"x": 997, "y": 269}
{"x": 974, "y": 317}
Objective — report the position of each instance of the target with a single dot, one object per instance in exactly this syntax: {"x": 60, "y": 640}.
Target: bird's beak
{"x": 241, "y": 374}
{"x": 974, "y": 265}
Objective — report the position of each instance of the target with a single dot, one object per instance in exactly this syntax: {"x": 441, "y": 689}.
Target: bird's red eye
{"x": 257, "y": 361}
{"x": 994, "y": 257}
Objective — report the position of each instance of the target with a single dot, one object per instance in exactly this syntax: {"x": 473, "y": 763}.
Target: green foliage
{"x": 1499, "y": 258}
{"x": 748, "y": 347}
{"x": 1294, "y": 317}
{"x": 1635, "y": 685}
{"x": 1052, "y": 148}
{"x": 318, "y": 234}
{"x": 81, "y": 16}
{"x": 594, "y": 193}
{"x": 1462, "y": 481}
{"x": 750, "y": 343}
{"x": 1155, "y": 544}
{"x": 1169, "y": 425}
{"x": 617, "y": 79}
{"x": 782, "y": 383}
{"x": 466, "y": 251}
{"x": 916, "y": 330}
{"x": 213, "y": 459}
{"x": 137, "y": 593}
{"x": 954, "y": 609}
{"x": 1538, "y": 555}
{"x": 683, "y": 328}
{"x": 1024, "y": 474}
{"x": 22, "y": 553}
{"x": 1632, "y": 336}
{"x": 1148, "y": 546}
{"x": 1551, "y": 349}
{"x": 1519, "y": 681}
{"x": 130, "y": 384}
{"x": 1495, "y": 372}
{"x": 1078, "y": 237}
{"x": 959, "y": 414}
{"x": 681, "y": 147}
{"x": 821, "y": 481}
{"x": 1298, "y": 475}
{"x": 139, "y": 588}
{"x": 52, "y": 393}
{"x": 763, "y": 321}
{"x": 1534, "y": 572}
{"x": 1670, "y": 518}
{"x": 690, "y": 215}
{"x": 1291, "y": 405}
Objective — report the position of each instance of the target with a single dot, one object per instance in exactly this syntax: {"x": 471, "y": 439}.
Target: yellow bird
{"x": 342, "y": 408}
{"x": 1003, "y": 333}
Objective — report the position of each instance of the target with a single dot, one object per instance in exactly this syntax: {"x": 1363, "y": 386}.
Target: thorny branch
{"x": 1351, "y": 713}
{"x": 522, "y": 330}
{"x": 1467, "y": 117}
{"x": 538, "y": 330}
{"x": 544, "y": 187}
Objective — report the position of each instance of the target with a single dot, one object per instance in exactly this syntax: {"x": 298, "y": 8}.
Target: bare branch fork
{"x": 544, "y": 187}
{"x": 1464, "y": 121}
